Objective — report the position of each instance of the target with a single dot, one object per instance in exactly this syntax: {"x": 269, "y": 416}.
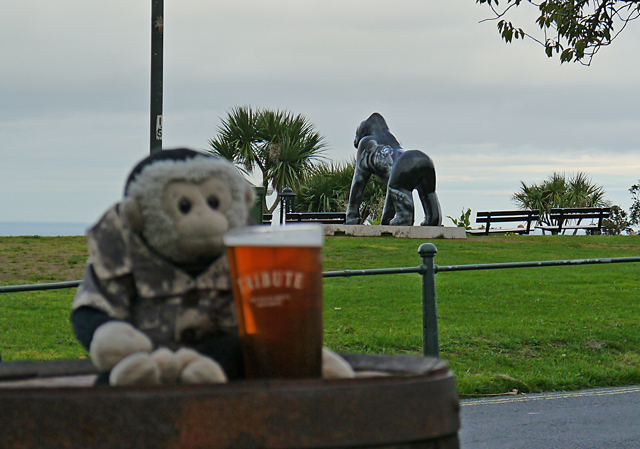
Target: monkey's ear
{"x": 131, "y": 214}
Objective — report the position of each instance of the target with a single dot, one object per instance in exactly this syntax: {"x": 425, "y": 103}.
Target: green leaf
{"x": 566, "y": 55}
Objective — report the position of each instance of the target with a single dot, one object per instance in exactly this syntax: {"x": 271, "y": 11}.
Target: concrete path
{"x": 591, "y": 419}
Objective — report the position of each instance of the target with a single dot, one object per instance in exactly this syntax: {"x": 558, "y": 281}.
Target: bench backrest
{"x": 570, "y": 213}
{"x": 560, "y": 215}
{"x": 310, "y": 217}
{"x": 317, "y": 217}
{"x": 507, "y": 216}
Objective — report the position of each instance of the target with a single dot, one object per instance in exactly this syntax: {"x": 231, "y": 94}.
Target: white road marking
{"x": 550, "y": 396}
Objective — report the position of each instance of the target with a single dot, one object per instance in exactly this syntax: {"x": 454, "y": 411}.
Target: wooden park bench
{"x": 560, "y": 218}
{"x": 317, "y": 217}
{"x": 506, "y": 216}
{"x": 310, "y": 217}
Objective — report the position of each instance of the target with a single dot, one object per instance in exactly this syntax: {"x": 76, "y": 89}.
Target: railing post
{"x": 429, "y": 314}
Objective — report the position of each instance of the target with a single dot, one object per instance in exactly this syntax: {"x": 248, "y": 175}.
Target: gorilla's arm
{"x": 360, "y": 179}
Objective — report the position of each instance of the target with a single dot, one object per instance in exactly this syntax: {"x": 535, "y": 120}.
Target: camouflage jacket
{"x": 128, "y": 281}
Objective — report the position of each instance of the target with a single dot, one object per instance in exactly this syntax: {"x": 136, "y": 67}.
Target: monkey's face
{"x": 182, "y": 208}
{"x": 198, "y": 212}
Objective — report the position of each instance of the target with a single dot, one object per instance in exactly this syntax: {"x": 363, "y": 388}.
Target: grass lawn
{"x": 530, "y": 329}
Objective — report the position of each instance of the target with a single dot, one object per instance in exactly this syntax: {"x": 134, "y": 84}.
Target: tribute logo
{"x": 279, "y": 279}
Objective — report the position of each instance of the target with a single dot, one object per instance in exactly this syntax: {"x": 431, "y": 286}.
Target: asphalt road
{"x": 590, "y": 419}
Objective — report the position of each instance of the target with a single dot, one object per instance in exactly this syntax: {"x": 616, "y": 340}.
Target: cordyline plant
{"x": 282, "y": 146}
{"x": 559, "y": 192}
{"x": 326, "y": 189}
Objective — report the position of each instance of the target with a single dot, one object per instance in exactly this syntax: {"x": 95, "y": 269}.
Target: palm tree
{"x": 531, "y": 197}
{"x": 280, "y": 145}
{"x": 581, "y": 192}
{"x": 559, "y": 192}
{"x": 326, "y": 189}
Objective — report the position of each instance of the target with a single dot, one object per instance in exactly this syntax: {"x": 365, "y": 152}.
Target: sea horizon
{"x": 43, "y": 229}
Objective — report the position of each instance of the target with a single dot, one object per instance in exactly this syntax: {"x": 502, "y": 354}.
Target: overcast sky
{"x": 74, "y": 94}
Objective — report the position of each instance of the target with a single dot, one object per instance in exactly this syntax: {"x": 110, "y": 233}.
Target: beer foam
{"x": 301, "y": 235}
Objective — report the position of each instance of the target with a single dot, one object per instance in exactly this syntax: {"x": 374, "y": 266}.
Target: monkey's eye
{"x": 184, "y": 205}
{"x": 213, "y": 202}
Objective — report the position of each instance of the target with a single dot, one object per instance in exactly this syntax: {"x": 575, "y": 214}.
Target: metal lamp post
{"x": 287, "y": 199}
{"x": 157, "y": 29}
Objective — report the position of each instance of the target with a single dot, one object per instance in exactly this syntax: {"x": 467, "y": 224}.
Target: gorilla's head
{"x": 370, "y": 126}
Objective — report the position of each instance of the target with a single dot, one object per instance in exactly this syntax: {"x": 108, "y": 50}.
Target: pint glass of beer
{"x": 276, "y": 274}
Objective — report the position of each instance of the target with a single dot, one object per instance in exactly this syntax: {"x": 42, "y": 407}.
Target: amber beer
{"x": 277, "y": 287}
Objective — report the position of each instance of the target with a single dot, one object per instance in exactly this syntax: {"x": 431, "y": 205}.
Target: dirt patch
{"x": 595, "y": 344}
{"x": 32, "y": 260}
{"x": 631, "y": 247}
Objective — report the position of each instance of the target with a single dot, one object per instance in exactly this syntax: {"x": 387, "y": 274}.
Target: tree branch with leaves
{"x": 573, "y": 29}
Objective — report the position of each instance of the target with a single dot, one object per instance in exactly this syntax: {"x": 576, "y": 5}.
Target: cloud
{"x": 74, "y": 95}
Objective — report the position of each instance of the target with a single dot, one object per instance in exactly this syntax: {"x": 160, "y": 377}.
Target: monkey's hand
{"x": 114, "y": 341}
{"x": 334, "y": 366}
{"x": 195, "y": 368}
{"x": 164, "y": 367}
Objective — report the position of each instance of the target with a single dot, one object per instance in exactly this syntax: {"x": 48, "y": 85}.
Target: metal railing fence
{"x": 36, "y": 287}
{"x": 428, "y": 269}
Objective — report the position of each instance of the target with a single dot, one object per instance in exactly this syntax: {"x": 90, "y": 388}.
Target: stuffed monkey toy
{"x": 155, "y": 305}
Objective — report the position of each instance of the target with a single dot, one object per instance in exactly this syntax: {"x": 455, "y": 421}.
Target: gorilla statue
{"x": 380, "y": 154}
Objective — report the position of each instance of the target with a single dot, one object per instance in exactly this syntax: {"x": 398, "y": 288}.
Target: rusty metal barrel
{"x": 396, "y": 402}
